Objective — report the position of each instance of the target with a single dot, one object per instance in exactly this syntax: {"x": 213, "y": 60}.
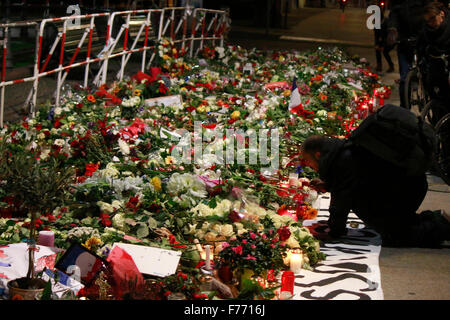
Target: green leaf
{"x": 47, "y": 293}
{"x": 142, "y": 231}
{"x": 212, "y": 203}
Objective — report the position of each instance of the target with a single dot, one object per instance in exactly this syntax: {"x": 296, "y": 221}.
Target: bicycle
{"x": 415, "y": 93}
{"x": 441, "y": 124}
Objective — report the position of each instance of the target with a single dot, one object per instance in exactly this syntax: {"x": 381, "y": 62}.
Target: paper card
{"x": 166, "y": 101}
{"x": 152, "y": 261}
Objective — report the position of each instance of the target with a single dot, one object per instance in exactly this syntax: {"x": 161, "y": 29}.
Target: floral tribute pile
{"x": 128, "y": 187}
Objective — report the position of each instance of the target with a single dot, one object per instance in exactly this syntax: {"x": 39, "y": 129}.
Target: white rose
{"x": 59, "y": 142}
{"x": 210, "y": 236}
{"x": 124, "y": 148}
{"x": 227, "y": 230}
{"x": 57, "y": 111}
{"x": 292, "y": 242}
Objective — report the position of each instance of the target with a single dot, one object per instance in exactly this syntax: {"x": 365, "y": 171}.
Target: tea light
{"x": 284, "y": 184}
{"x": 296, "y": 261}
{"x": 46, "y": 238}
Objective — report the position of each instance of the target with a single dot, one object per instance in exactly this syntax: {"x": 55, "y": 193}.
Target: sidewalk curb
{"x": 327, "y": 41}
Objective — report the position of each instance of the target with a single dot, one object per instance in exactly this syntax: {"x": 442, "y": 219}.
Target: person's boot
{"x": 379, "y": 68}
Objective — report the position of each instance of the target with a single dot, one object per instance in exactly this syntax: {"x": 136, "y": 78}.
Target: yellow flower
{"x": 201, "y": 108}
{"x": 156, "y": 182}
{"x": 235, "y": 115}
{"x": 93, "y": 242}
{"x": 165, "y": 57}
{"x": 286, "y": 93}
{"x": 137, "y": 92}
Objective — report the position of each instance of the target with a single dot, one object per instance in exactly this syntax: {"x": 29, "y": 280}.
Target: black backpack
{"x": 397, "y": 135}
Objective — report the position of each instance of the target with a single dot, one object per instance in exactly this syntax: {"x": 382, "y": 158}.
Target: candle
{"x": 197, "y": 245}
{"x": 296, "y": 262}
{"x": 46, "y": 238}
{"x": 287, "y": 284}
{"x": 207, "y": 257}
{"x": 293, "y": 179}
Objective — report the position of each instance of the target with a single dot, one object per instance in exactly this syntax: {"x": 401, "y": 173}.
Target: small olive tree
{"x": 39, "y": 186}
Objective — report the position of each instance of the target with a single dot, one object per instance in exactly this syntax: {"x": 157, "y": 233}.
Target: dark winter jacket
{"x": 435, "y": 42}
{"x": 407, "y": 17}
{"x": 377, "y": 191}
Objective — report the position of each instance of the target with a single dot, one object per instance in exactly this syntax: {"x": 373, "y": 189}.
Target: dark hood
{"x": 330, "y": 150}
{"x": 440, "y": 37}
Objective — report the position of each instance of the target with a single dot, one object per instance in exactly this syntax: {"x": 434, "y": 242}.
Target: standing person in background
{"x": 404, "y": 23}
{"x": 381, "y": 45}
{"x": 433, "y": 42}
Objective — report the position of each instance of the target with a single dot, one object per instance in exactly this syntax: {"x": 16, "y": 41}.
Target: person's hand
{"x": 318, "y": 185}
{"x": 320, "y": 231}
{"x": 392, "y": 36}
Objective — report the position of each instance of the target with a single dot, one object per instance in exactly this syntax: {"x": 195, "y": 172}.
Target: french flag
{"x": 295, "y": 96}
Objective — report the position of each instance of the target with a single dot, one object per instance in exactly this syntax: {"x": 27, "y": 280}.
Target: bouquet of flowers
{"x": 257, "y": 251}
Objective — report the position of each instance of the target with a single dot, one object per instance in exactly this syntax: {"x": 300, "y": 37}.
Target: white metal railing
{"x": 172, "y": 23}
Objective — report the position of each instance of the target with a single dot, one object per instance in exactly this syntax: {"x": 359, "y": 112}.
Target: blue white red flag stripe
{"x": 295, "y": 95}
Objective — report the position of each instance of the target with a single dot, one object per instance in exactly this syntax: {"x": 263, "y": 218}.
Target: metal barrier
{"x": 169, "y": 19}
{"x": 143, "y": 23}
{"x": 213, "y": 31}
{"x": 172, "y": 23}
{"x": 3, "y": 83}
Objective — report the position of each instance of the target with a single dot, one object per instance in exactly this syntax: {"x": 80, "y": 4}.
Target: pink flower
{"x": 237, "y": 250}
{"x": 244, "y": 241}
{"x": 225, "y": 244}
{"x": 249, "y": 257}
{"x": 253, "y": 235}
{"x": 264, "y": 236}
{"x": 253, "y": 246}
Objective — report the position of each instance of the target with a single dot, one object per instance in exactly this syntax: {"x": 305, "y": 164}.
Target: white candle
{"x": 46, "y": 238}
{"x": 296, "y": 262}
{"x": 207, "y": 257}
{"x": 198, "y": 246}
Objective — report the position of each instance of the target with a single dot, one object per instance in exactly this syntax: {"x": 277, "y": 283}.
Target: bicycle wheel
{"x": 442, "y": 157}
{"x": 414, "y": 94}
{"x": 432, "y": 112}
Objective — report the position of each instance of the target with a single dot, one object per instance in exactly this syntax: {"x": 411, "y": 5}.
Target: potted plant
{"x": 39, "y": 187}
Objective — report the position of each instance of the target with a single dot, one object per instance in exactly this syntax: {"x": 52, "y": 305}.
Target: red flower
{"x": 91, "y": 168}
{"x": 209, "y": 126}
{"x": 237, "y": 250}
{"x": 57, "y": 123}
{"x": 105, "y": 220}
{"x": 284, "y": 233}
{"x": 235, "y": 216}
{"x": 173, "y": 241}
{"x": 162, "y": 88}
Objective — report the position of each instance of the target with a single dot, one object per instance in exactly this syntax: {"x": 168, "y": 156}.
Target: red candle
{"x": 287, "y": 282}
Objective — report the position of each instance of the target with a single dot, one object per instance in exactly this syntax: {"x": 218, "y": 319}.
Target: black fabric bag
{"x": 397, "y": 135}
